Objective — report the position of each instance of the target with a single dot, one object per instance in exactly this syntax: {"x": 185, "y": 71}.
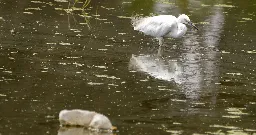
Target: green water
{"x": 52, "y": 58}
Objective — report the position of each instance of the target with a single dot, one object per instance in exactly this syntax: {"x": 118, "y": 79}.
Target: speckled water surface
{"x": 58, "y": 55}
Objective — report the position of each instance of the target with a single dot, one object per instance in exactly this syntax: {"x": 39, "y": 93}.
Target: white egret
{"x": 163, "y": 26}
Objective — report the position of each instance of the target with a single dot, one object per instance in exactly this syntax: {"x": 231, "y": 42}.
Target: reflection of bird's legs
{"x": 161, "y": 40}
{"x": 159, "y": 51}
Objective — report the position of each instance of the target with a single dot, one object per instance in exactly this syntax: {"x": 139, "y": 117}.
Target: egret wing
{"x": 157, "y": 26}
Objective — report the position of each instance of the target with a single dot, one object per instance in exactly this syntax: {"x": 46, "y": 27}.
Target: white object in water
{"x": 80, "y": 131}
{"x": 85, "y": 118}
{"x": 163, "y": 26}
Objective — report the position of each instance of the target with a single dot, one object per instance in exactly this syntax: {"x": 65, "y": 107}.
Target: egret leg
{"x": 161, "y": 40}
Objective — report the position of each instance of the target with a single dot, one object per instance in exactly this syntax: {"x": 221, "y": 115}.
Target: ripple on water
{"x": 124, "y": 17}
{"x": 107, "y": 8}
{"x": 30, "y": 13}
{"x": 60, "y": 0}
{"x": 95, "y": 83}
{"x": 51, "y": 43}
{"x": 3, "y": 95}
{"x": 103, "y": 67}
{"x": 223, "y": 126}
{"x": 8, "y": 71}
{"x": 33, "y": 8}
{"x": 72, "y": 57}
{"x": 103, "y": 49}
{"x": 38, "y": 2}
{"x": 253, "y": 51}
{"x": 178, "y": 100}
{"x": 229, "y": 132}
{"x": 106, "y": 76}
{"x": 224, "y": 5}
{"x": 63, "y": 43}
{"x": 108, "y": 45}
{"x": 234, "y": 74}
{"x": 111, "y": 84}
{"x": 236, "y": 111}
{"x": 176, "y": 132}
{"x": 247, "y": 19}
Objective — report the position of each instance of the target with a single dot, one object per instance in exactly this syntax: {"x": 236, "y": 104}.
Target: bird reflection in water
{"x": 156, "y": 66}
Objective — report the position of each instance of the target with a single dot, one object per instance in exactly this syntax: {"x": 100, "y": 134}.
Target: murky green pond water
{"x": 54, "y": 58}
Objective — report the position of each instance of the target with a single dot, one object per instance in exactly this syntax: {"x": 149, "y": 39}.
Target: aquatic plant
{"x": 85, "y": 4}
{"x": 84, "y": 14}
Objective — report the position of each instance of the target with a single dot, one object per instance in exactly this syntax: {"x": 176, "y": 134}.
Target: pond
{"x": 59, "y": 54}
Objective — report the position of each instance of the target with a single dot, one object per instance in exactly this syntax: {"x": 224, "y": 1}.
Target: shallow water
{"x": 52, "y": 58}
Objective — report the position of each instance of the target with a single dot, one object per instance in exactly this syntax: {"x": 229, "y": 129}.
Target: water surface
{"x": 54, "y": 58}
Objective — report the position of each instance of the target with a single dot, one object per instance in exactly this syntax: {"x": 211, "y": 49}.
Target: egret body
{"x": 163, "y": 26}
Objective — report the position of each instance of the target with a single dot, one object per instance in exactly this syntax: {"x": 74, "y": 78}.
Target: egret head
{"x": 185, "y": 20}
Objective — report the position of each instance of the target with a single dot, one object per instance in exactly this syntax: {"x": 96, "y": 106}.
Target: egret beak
{"x": 113, "y": 128}
{"x": 193, "y": 25}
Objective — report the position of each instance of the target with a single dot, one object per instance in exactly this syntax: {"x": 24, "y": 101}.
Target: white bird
{"x": 89, "y": 119}
{"x": 163, "y": 26}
